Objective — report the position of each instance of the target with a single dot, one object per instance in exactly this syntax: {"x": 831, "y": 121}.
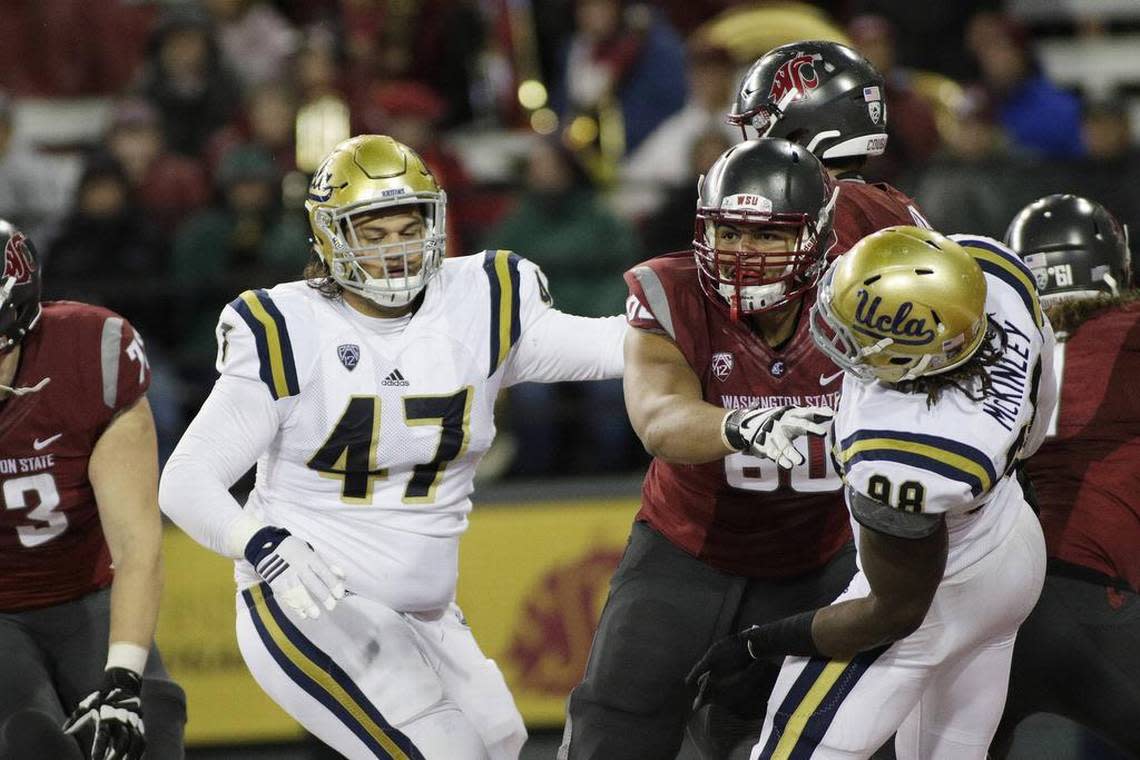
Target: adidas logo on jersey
{"x": 395, "y": 378}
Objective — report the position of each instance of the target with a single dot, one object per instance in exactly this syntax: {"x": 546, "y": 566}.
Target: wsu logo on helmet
{"x": 18, "y": 263}
{"x": 795, "y": 75}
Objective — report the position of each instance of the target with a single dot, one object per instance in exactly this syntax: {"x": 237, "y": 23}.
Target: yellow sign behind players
{"x": 532, "y": 582}
{"x": 199, "y": 646}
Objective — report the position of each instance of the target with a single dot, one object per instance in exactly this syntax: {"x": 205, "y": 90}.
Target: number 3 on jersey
{"x": 349, "y": 453}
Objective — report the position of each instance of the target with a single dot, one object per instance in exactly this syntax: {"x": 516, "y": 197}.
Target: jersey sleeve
{"x": 647, "y": 307}
{"x": 915, "y": 472}
{"x": 124, "y": 369}
{"x": 254, "y": 343}
{"x": 535, "y": 342}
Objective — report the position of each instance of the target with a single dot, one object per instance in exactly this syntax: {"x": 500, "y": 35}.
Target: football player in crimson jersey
{"x": 828, "y": 98}
{"x": 724, "y": 536}
{"x": 80, "y": 532}
{"x": 1076, "y": 653}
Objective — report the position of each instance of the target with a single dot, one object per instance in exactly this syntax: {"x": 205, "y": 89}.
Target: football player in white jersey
{"x": 947, "y": 386}
{"x": 365, "y": 396}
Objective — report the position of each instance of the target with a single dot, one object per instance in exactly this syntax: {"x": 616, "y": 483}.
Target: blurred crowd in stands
{"x": 158, "y": 151}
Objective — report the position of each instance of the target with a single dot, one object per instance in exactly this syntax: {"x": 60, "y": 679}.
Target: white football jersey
{"x": 957, "y": 457}
{"x": 383, "y": 421}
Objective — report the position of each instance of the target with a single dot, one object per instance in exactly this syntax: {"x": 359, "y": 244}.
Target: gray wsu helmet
{"x": 819, "y": 94}
{"x": 1074, "y": 246}
{"x": 769, "y": 182}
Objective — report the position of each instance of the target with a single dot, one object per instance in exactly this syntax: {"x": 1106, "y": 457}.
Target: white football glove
{"x": 770, "y": 433}
{"x": 294, "y": 571}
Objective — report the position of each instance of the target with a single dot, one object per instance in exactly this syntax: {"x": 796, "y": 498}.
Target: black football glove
{"x": 109, "y": 722}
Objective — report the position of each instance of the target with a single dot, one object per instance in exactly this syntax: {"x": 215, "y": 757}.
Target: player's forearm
{"x": 684, "y": 430}
{"x": 842, "y": 630}
{"x": 233, "y": 427}
{"x": 135, "y": 595}
{"x": 564, "y": 347}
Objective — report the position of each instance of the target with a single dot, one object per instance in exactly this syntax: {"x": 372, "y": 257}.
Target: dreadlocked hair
{"x": 319, "y": 278}
{"x": 1070, "y": 313}
{"x": 971, "y": 378}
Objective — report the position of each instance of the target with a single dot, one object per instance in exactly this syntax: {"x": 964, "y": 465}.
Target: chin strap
{"x": 25, "y": 390}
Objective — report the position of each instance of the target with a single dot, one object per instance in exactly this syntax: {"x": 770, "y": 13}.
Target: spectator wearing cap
{"x": 411, "y": 112}
{"x": 243, "y": 240}
{"x": 185, "y": 79}
{"x": 166, "y": 185}
{"x": 913, "y": 131}
{"x": 1037, "y": 115}
{"x": 653, "y": 169}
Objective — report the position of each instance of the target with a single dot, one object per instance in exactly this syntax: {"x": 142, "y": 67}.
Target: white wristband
{"x": 123, "y": 654}
{"x": 238, "y": 534}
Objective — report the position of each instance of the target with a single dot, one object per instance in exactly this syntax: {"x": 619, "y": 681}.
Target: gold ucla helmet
{"x": 364, "y": 175}
{"x": 904, "y": 302}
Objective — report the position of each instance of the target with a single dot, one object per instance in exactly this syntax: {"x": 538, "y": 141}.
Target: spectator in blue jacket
{"x": 1037, "y": 115}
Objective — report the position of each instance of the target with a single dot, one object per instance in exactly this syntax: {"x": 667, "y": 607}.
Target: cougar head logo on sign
{"x": 18, "y": 262}
{"x": 796, "y": 75}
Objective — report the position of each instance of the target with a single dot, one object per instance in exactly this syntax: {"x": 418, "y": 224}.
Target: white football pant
{"x": 374, "y": 683}
{"x": 942, "y": 688}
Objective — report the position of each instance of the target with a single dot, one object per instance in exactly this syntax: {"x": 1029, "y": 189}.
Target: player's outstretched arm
{"x": 903, "y": 574}
{"x": 665, "y": 404}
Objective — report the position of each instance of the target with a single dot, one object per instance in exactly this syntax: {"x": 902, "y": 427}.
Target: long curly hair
{"x": 319, "y": 278}
{"x": 971, "y": 378}
{"x": 1067, "y": 315}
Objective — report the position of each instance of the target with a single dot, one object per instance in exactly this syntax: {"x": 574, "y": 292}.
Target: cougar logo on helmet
{"x": 18, "y": 262}
{"x": 796, "y": 75}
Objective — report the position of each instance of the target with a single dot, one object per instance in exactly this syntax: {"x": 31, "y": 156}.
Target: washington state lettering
{"x": 901, "y": 327}
{"x": 767, "y": 402}
{"x": 26, "y": 464}
{"x": 1008, "y": 378}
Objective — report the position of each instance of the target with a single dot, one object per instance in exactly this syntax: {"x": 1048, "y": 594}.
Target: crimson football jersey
{"x": 52, "y": 548}
{"x": 1087, "y": 473}
{"x": 741, "y": 514}
{"x": 866, "y": 207}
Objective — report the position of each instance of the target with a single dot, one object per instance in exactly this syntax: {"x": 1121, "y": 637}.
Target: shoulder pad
{"x": 998, "y": 261}
{"x": 277, "y": 367}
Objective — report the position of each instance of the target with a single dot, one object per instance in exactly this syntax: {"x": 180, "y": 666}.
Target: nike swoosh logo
{"x": 829, "y": 379}
{"x": 38, "y": 444}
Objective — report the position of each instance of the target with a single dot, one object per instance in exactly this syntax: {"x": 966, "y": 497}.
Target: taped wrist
{"x": 788, "y": 636}
{"x": 730, "y": 430}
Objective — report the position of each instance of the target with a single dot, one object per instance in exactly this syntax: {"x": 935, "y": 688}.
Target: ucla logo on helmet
{"x": 900, "y": 326}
